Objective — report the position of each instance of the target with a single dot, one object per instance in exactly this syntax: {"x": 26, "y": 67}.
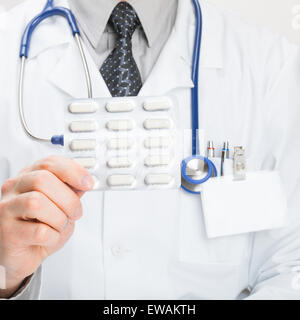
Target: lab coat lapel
{"x": 171, "y": 71}
{"x": 173, "y": 68}
{"x": 68, "y": 75}
{"x": 59, "y": 59}
{"x": 212, "y": 46}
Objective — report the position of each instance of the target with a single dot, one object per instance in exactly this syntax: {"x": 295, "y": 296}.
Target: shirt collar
{"x": 93, "y": 16}
{"x": 155, "y": 15}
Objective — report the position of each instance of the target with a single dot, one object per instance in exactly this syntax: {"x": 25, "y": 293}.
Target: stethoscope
{"x": 196, "y": 169}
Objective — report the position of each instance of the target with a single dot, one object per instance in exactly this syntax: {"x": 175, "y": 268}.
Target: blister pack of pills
{"x": 126, "y": 143}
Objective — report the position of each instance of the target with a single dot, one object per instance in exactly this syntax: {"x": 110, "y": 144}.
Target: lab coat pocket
{"x": 235, "y": 207}
{"x": 223, "y": 167}
{"x": 194, "y": 245}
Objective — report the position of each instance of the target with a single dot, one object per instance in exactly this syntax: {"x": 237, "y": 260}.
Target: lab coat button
{"x": 116, "y": 251}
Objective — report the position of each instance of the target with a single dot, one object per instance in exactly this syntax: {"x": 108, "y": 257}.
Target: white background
{"x": 282, "y": 16}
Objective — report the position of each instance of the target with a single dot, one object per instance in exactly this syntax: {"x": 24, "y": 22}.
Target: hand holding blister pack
{"x": 126, "y": 143}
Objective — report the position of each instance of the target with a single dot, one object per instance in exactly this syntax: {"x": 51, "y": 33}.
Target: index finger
{"x": 67, "y": 170}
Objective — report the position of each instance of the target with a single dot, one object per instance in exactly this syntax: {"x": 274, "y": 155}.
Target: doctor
{"x": 58, "y": 243}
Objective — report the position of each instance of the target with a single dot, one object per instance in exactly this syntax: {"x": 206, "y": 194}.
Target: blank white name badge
{"x": 234, "y": 207}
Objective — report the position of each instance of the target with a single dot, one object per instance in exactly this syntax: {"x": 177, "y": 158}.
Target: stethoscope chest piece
{"x": 195, "y": 171}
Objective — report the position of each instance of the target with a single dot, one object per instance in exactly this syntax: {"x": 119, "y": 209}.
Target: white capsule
{"x": 83, "y": 126}
{"x": 83, "y": 145}
{"x": 83, "y": 107}
{"x": 157, "y": 160}
{"x": 119, "y": 162}
{"x": 158, "y": 179}
{"x": 119, "y": 125}
{"x": 158, "y": 105}
{"x": 88, "y": 163}
{"x": 151, "y": 124}
{"x": 120, "y": 106}
{"x": 157, "y": 142}
{"x": 120, "y": 180}
{"x": 122, "y": 143}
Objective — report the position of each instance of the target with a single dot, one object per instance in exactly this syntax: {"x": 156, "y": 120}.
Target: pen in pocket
{"x": 210, "y": 150}
{"x": 225, "y": 155}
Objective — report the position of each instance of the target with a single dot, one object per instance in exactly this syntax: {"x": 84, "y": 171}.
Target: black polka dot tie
{"x": 119, "y": 70}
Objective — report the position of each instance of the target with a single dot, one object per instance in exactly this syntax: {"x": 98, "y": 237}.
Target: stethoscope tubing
{"x": 212, "y": 171}
{"x": 49, "y": 11}
{"x": 195, "y": 76}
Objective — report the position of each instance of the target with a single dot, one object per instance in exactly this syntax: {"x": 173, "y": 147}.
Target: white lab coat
{"x": 153, "y": 244}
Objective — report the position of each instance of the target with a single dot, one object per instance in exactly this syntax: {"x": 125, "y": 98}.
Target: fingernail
{"x": 87, "y": 182}
{"x": 77, "y": 214}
